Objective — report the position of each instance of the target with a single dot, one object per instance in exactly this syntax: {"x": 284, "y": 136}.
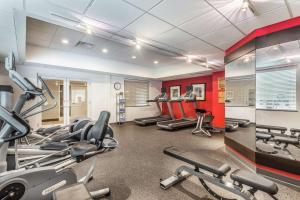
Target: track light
{"x": 246, "y": 59}
{"x": 104, "y": 50}
{"x": 138, "y": 46}
{"x": 189, "y": 59}
{"x": 155, "y": 62}
{"x": 245, "y": 5}
{"x": 288, "y": 60}
{"x": 133, "y": 57}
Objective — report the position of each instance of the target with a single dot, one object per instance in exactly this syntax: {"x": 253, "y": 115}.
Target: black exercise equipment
{"x": 213, "y": 172}
{"x": 271, "y": 128}
{"x": 277, "y": 141}
{"x": 204, "y": 122}
{"x": 231, "y": 126}
{"x": 241, "y": 122}
{"x": 184, "y": 121}
{"x": 163, "y": 97}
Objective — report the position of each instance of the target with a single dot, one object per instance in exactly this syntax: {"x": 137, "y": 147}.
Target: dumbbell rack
{"x": 120, "y": 108}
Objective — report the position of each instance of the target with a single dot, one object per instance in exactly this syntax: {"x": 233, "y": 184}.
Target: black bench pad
{"x": 199, "y": 161}
{"x": 263, "y": 136}
{"x": 287, "y": 140}
{"x": 295, "y": 130}
{"x": 275, "y": 128}
{"x": 254, "y": 181}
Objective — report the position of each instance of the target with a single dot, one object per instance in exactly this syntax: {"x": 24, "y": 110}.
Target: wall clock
{"x": 117, "y": 85}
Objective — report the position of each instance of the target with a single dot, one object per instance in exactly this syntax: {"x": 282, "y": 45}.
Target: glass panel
{"x": 55, "y": 115}
{"x": 277, "y": 116}
{"x": 78, "y": 99}
{"x": 240, "y": 100}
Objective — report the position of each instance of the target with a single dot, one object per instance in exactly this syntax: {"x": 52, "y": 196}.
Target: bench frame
{"x": 183, "y": 172}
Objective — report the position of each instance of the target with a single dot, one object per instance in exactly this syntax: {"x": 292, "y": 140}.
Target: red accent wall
{"x": 265, "y": 31}
{"x": 210, "y": 103}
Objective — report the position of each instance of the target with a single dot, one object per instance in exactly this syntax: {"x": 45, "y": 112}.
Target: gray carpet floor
{"x": 133, "y": 170}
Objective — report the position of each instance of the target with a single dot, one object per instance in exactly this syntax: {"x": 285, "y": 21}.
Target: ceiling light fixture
{"x": 138, "y": 46}
{"x": 89, "y": 31}
{"x": 65, "y": 41}
{"x": 133, "y": 57}
{"x": 104, "y": 50}
{"x": 245, "y": 5}
{"x": 189, "y": 59}
{"x": 276, "y": 47}
{"x": 288, "y": 60}
{"x": 246, "y": 59}
{"x": 155, "y": 62}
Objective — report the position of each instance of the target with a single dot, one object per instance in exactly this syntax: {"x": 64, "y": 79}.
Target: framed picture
{"x": 199, "y": 91}
{"x": 175, "y": 92}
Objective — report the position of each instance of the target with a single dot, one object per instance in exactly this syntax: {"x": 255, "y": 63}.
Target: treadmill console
{"x": 163, "y": 97}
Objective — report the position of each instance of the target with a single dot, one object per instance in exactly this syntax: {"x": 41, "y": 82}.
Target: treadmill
{"x": 163, "y": 97}
{"x": 184, "y": 121}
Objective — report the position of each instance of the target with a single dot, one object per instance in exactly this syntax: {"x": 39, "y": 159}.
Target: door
{"x": 71, "y": 97}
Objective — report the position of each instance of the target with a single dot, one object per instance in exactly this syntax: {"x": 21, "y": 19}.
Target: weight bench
{"x": 271, "y": 128}
{"x": 213, "y": 171}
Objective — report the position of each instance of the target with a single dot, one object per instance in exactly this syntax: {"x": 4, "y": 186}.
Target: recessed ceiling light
{"x": 104, "y": 50}
{"x": 275, "y": 47}
{"x": 89, "y": 31}
{"x": 288, "y": 60}
{"x": 65, "y": 41}
{"x": 138, "y": 46}
{"x": 155, "y": 62}
{"x": 133, "y": 57}
{"x": 246, "y": 59}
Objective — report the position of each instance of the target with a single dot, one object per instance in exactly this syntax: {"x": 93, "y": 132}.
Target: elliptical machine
{"x": 35, "y": 183}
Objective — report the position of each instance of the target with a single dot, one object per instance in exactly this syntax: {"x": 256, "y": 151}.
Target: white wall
{"x": 241, "y": 113}
{"x": 282, "y": 118}
{"x": 101, "y": 93}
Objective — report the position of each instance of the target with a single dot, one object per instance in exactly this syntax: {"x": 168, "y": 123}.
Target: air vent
{"x": 84, "y": 45}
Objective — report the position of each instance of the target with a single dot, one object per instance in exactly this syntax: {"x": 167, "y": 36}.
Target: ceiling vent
{"x": 85, "y": 45}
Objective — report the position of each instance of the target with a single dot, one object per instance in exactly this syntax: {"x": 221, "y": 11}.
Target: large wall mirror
{"x": 240, "y": 100}
{"x": 277, "y": 110}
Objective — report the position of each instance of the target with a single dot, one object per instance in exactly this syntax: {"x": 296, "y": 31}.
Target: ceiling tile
{"x": 177, "y": 11}
{"x": 145, "y": 5}
{"x": 45, "y": 10}
{"x": 197, "y": 47}
{"x": 7, "y": 6}
{"x": 224, "y": 37}
{"x": 253, "y": 23}
{"x": 205, "y": 23}
{"x": 173, "y": 36}
{"x": 75, "y": 5}
{"x": 115, "y": 12}
{"x": 148, "y": 26}
{"x": 63, "y": 33}
{"x": 266, "y": 6}
{"x": 40, "y": 26}
{"x": 295, "y": 7}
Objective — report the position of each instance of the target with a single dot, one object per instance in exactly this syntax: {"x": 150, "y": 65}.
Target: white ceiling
{"x": 204, "y": 28}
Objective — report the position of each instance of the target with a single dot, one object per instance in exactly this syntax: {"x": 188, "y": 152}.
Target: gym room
{"x": 150, "y": 99}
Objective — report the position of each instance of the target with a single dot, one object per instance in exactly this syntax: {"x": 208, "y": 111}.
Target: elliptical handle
{"x": 45, "y": 86}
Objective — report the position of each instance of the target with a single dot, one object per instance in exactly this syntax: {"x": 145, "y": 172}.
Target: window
{"x": 136, "y": 93}
{"x": 276, "y": 89}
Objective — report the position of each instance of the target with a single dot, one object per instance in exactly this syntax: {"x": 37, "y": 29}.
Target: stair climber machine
{"x": 42, "y": 182}
{"x": 163, "y": 97}
{"x": 184, "y": 121}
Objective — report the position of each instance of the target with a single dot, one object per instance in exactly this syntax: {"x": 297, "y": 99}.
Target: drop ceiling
{"x": 202, "y": 28}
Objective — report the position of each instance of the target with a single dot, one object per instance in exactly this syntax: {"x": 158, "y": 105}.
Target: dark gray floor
{"x": 132, "y": 171}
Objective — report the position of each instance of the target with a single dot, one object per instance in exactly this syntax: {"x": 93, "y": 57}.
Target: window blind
{"x": 276, "y": 89}
{"x": 136, "y": 93}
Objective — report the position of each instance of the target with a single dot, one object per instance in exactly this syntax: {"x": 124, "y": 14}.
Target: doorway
{"x": 71, "y": 98}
